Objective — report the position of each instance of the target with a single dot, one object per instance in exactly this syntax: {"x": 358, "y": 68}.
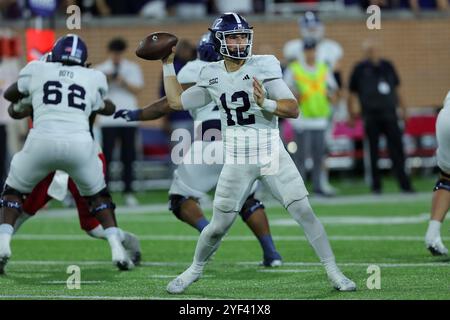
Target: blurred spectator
{"x": 154, "y": 8}
{"x": 329, "y": 52}
{"x": 313, "y": 85}
{"x": 125, "y": 80}
{"x": 375, "y": 83}
{"x": 12, "y": 9}
{"x": 109, "y": 7}
{"x": 187, "y": 9}
{"x": 418, "y": 5}
{"x": 238, "y": 6}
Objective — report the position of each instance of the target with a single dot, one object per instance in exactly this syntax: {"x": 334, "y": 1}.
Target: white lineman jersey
{"x": 189, "y": 75}
{"x": 328, "y": 51}
{"x": 443, "y": 136}
{"x": 63, "y": 97}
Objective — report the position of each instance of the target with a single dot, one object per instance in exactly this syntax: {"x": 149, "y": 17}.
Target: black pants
{"x": 374, "y": 127}
{"x": 127, "y": 137}
{"x": 2, "y": 155}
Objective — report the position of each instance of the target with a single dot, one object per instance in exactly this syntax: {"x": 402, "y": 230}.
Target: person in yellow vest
{"x": 315, "y": 88}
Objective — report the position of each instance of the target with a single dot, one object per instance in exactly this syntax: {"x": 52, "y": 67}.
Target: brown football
{"x": 156, "y": 46}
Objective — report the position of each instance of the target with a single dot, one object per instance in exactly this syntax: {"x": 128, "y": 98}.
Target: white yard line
{"x": 81, "y": 237}
{"x": 341, "y": 200}
{"x": 244, "y": 263}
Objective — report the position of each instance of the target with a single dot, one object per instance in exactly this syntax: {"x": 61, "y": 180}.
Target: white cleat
{"x": 272, "y": 263}
{"x": 436, "y": 247}
{"x": 341, "y": 282}
{"x": 184, "y": 280}
{"x": 5, "y": 252}
{"x": 133, "y": 248}
{"x": 120, "y": 257}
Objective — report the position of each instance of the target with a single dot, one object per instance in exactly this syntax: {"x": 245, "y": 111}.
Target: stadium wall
{"x": 420, "y": 49}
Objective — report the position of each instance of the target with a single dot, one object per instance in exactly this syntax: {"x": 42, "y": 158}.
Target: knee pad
{"x": 175, "y": 203}
{"x": 249, "y": 207}
{"x": 11, "y": 204}
{"x": 444, "y": 181}
{"x": 100, "y": 201}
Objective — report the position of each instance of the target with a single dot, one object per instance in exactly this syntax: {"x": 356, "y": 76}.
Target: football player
{"x": 64, "y": 94}
{"x": 441, "y": 197}
{"x": 56, "y": 185}
{"x": 251, "y": 95}
{"x": 191, "y": 182}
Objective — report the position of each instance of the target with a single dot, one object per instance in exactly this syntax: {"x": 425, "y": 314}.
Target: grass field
{"x": 383, "y": 230}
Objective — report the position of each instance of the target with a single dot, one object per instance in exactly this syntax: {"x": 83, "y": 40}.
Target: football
{"x": 156, "y": 46}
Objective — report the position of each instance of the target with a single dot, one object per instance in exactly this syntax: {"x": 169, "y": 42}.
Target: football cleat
{"x": 5, "y": 251}
{"x": 184, "y": 280}
{"x": 436, "y": 247}
{"x": 341, "y": 282}
{"x": 119, "y": 255}
{"x": 271, "y": 262}
{"x": 3, "y": 262}
{"x": 132, "y": 247}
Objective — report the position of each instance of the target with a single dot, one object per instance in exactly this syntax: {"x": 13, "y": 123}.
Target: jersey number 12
{"x": 239, "y": 110}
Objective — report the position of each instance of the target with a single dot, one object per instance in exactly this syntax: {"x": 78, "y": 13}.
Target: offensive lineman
{"x": 441, "y": 196}
{"x": 248, "y": 108}
{"x": 64, "y": 94}
{"x": 193, "y": 181}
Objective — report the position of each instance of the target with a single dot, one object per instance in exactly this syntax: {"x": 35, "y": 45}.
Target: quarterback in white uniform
{"x": 64, "y": 94}
{"x": 441, "y": 196}
{"x": 192, "y": 180}
{"x": 251, "y": 95}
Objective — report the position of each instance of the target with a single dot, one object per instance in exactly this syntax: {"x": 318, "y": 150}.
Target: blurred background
{"x": 414, "y": 37}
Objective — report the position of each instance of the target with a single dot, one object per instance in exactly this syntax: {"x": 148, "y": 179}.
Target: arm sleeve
{"x": 195, "y": 97}
{"x": 24, "y": 82}
{"x": 277, "y": 89}
{"x": 288, "y": 78}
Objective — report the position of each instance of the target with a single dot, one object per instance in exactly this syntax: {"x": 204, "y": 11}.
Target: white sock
{"x": 6, "y": 229}
{"x": 111, "y": 232}
{"x": 434, "y": 230}
{"x": 211, "y": 236}
{"x": 20, "y": 220}
{"x": 302, "y": 212}
{"x": 98, "y": 232}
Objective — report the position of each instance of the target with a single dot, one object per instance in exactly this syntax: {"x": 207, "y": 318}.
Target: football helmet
{"x": 205, "y": 49}
{"x": 70, "y": 49}
{"x": 311, "y": 27}
{"x": 231, "y": 23}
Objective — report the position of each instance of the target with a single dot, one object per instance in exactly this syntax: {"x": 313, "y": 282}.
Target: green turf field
{"x": 386, "y": 231}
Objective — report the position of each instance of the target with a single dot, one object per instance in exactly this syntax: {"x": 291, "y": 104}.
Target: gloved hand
{"x": 129, "y": 115}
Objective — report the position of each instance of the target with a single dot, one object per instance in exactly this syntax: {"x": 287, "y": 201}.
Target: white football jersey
{"x": 328, "y": 51}
{"x": 447, "y": 101}
{"x": 189, "y": 74}
{"x": 233, "y": 93}
{"x": 63, "y": 97}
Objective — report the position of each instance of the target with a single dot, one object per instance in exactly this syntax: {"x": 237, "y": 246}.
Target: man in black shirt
{"x": 375, "y": 83}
